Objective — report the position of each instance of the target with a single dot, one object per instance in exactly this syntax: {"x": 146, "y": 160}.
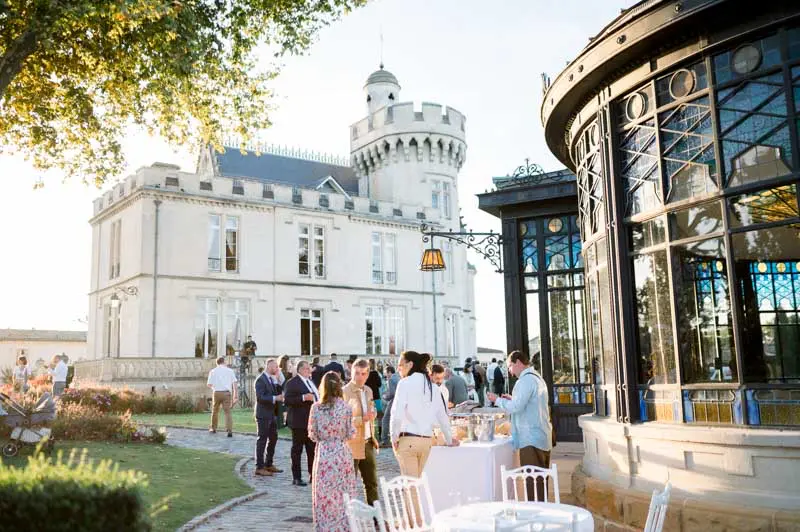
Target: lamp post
{"x": 488, "y": 245}
{"x": 115, "y": 303}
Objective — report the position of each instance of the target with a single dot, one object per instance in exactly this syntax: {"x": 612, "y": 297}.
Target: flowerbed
{"x": 125, "y": 400}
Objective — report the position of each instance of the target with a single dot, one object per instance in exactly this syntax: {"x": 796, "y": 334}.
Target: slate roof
{"x": 41, "y": 335}
{"x": 271, "y": 168}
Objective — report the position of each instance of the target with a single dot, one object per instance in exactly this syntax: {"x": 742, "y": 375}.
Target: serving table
{"x": 513, "y": 516}
{"x": 468, "y": 473}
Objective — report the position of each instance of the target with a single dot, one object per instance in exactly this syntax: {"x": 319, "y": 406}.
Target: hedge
{"x": 73, "y": 495}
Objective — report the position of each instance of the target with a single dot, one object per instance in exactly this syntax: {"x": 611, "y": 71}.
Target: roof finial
{"x": 381, "y": 31}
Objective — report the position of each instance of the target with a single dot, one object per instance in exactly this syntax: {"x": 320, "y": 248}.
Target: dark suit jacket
{"x": 316, "y": 375}
{"x": 499, "y": 382}
{"x": 297, "y": 417}
{"x": 265, "y": 397}
{"x": 335, "y": 366}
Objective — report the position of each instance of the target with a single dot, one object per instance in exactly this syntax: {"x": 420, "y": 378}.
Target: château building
{"x": 310, "y": 254}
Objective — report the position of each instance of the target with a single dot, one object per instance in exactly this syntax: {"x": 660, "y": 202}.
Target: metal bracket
{"x": 487, "y": 245}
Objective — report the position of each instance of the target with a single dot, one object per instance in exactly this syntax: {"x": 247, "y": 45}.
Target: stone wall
{"x": 176, "y": 375}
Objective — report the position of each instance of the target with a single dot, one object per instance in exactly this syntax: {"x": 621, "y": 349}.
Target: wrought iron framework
{"x": 487, "y": 245}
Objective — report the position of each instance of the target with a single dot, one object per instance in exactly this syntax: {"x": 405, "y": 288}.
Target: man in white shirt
{"x": 58, "y": 370}
{"x": 222, "y": 381}
{"x": 437, "y": 377}
{"x": 490, "y": 373}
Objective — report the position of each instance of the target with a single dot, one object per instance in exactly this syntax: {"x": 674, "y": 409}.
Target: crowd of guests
{"x": 340, "y": 415}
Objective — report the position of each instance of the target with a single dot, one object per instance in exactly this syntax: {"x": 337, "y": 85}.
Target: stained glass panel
{"x": 590, "y": 182}
{"x": 681, "y": 83}
{"x": 769, "y": 292}
{"x": 704, "y": 322}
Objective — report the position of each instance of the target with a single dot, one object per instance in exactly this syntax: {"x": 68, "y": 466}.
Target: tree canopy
{"x": 74, "y": 74}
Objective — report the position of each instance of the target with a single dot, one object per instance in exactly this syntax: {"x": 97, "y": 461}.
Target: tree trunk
{"x": 11, "y": 62}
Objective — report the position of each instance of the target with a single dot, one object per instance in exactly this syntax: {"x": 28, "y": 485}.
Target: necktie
{"x": 312, "y": 389}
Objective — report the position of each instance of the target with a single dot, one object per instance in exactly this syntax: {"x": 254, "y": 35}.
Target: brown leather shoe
{"x": 263, "y": 472}
{"x": 274, "y": 469}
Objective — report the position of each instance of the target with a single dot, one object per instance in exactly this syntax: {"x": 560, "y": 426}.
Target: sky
{"x": 482, "y": 58}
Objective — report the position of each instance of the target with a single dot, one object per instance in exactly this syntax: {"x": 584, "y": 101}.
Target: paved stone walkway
{"x": 288, "y": 508}
{"x": 284, "y": 507}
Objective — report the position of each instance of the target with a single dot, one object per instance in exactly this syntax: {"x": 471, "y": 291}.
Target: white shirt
{"x": 445, "y": 393}
{"x": 311, "y": 387}
{"x": 59, "y": 373}
{"x": 417, "y": 409}
{"x": 490, "y": 371}
{"x": 222, "y": 379}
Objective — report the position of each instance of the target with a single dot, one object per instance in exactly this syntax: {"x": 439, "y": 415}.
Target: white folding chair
{"x": 362, "y": 517}
{"x": 657, "y": 513}
{"x": 408, "y": 503}
{"x": 519, "y": 476}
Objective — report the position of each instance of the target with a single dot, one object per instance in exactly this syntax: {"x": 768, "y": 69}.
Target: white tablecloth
{"x": 533, "y": 516}
{"x": 468, "y": 473}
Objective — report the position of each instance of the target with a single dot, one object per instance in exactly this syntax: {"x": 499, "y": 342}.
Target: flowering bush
{"x": 119, "y": 401}
{"x": 84, "y": 422}
{"x": 152, "y": 435}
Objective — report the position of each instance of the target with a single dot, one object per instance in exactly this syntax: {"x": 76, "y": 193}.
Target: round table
{"x": 512, "y": 516}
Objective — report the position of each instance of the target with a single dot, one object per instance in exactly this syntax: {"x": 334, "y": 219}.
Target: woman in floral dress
{"x": 330, "y": 425}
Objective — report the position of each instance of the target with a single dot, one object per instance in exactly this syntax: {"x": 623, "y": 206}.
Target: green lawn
{"x": 243, "y": 421}
{"x": 191, "y": 482}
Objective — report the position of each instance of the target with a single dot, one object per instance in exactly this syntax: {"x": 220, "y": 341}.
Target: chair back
{"x": 362, "y": 517}
{"x": 408, "y": 503}
{"x": 538, "y": 475}
{"x": 657, "y": 513}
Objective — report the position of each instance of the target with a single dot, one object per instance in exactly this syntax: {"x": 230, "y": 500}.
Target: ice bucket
{"x": 481, "y": 427}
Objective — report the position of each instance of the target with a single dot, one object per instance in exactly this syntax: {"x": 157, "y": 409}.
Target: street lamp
{"x": 126, "y": 291}
{"x": 488, "y": 245}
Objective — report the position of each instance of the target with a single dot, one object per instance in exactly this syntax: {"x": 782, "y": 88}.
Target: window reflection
{"x": 695, "y": 221}
{"x": 704, "y": 322}
{"x": 769, "y": 205}
{"x": 534, "y": 329}
{"x": 654, "y": 319}
{"x": 754, "y": 131}
{"x": 769, "y": 293}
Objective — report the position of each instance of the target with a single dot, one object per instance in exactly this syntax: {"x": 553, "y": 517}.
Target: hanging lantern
{"x": 432, "y": 260}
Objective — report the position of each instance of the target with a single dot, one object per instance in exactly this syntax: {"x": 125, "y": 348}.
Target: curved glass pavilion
{"x": 681, "y": 121}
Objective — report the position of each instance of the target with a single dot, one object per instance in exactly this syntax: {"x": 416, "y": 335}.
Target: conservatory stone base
{"x": 723, "y": 478}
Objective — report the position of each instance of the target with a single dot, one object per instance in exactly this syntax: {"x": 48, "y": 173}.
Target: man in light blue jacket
{"x": 531, "y": 432}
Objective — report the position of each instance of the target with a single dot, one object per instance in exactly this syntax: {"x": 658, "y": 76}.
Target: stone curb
{"x": 228, "y": 505}
{"x": 280, "y": 437}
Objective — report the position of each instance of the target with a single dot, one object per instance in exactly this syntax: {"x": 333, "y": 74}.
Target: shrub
{"x": 113, "y": 400}
{"x": 76, "y": 495}
{"x": 85, "y": 422}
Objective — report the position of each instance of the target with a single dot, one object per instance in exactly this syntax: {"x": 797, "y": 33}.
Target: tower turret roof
{"x": 382, "y": 76}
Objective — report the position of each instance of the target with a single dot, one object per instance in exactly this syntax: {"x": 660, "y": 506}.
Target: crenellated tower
{"x": 408, "y": 154}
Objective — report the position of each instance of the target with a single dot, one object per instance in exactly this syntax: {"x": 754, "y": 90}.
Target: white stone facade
{"x": 155, "y": 232}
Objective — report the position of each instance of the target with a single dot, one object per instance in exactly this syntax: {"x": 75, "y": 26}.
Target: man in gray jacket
{"x": 392, "y": 379}
{"x": 457, "y": 387}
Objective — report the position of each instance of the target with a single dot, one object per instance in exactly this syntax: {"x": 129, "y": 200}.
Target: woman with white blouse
{"x": 418, "y": 406}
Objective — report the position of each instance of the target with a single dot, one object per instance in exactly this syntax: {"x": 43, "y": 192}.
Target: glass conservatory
{"x": 681, "y": 121}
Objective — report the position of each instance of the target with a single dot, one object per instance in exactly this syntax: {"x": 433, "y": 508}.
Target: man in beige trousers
{"x": 222, "y": 380}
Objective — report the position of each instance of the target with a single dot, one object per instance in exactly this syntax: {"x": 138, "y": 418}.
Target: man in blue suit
{"x": 268, "y": 394}
{"x": 335, "y": 366}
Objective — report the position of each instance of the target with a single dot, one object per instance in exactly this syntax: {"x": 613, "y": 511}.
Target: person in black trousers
{"x": 499, "y": 382}
{"x": 268, "y": 395}
{"x": 301, "y": 393}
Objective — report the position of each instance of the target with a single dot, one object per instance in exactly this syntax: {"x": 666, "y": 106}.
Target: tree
{"x": 74, "y": 74}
